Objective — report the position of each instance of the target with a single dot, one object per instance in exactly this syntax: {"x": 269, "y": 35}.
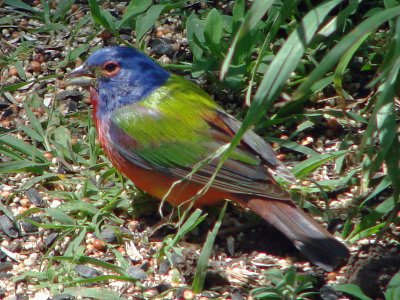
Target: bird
{"x": 158, "y": 128}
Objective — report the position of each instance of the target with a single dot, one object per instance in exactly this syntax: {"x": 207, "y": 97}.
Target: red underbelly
{"x": 158, "y": 184}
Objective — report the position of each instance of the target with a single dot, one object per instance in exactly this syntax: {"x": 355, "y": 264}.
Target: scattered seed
{"x": 281, "y": 156}
{"x": 8, "y": 226}
{"x": 105, "y": 35}
{"x": 87, "y": 272}
{"x": 34, "y": 196}
{"x": 48, "y": 156}
{"x": 6, "y": 266}
{"x": 28, "y": 227}
{"x": 38, "y": 58}
{"x": 333, "y": 124}
{"x": 15, "y": 35}
{"x": 3, "y": 256}
{"x": 150, "y": 293}
{"x": 12, "y": 71}
{"x": 137, "y": 273}
{"x": 188, "y": 295}
{"x": 49, "y": 240}
{"x": 164, "y": 267}
{"x": 79, "y": 15}
{"x": 35, "y": 66}
{"x": 109, "y": 235}
{"x": 23, "y": 23}
{"x": 284, "y": 137}
{"x": 99, "y": 245}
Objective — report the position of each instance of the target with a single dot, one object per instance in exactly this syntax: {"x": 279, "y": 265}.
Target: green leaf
{"x": 10, "y": 153}
{"x": 62, "y": 138}
{"x": 145, "y": 22}
{"x": 75, "y": 246}
{"x": 14, "y": 86}
{"x": 46, "y": 10}
{"x": 63, "y": 7}
{"x": 35, "y": 123}
{"x": 48, "y": 27}
{"x": 281, "y": 67}
{"x": 22, "y": 147}
{"x": 393, "y": 288}
{"x": 21, "y": 71}
{"x": 31, "y": 182}
{"x": 95, "y": 262}
{"x": 301, "y": 127}
{"x": 353, "y": 290}
{"x": 72, "y": 56}
{"x": 22, "y": 5}
{"x": 343, "y": 63}
{"x": 238, "y": 14}
{"x": 367, "y": 26}
{"x": 59, "y": 216}
{"x": 202, "y": 264}
{"x": 79, "y": 206}
{"x": 192, "y": 222}
{"x": 195, "y": 29}
{"x": 368, "y": 232}
{"x": 134, "y": 9}
{"x": 110, "y": 20}
{"x": 32, "y": 133}
{"x": 294, "y": 146}
{"x": 253, "y": 16}
{"x": 383, "y": 185}
{"x": 213, "y": 31}
{"x": 94, "y": 293}
{"x": 305, "y": 167}
{"x": 368, "y": 226}
{"x": 102, "y": 17}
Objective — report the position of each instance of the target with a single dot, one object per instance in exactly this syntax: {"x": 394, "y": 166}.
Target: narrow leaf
{"x": 202, "y": 264}
{"x": 353, "y": 290}
{"x": 309, "y": 165}
{"x": 145, "y": 22}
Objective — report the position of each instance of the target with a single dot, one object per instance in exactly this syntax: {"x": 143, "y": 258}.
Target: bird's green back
{"x": 170, "y": 126}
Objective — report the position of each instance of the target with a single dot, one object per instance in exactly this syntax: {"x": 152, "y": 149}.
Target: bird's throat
{"x": 94, "y": 100}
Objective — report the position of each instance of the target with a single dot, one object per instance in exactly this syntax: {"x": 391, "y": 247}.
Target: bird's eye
{"x": 110, "y": 68}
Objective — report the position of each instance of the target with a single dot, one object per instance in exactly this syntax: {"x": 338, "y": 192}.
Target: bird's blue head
{"x": 124, "y": 76}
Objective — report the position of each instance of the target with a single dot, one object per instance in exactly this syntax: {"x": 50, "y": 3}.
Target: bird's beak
{"x": 81, "y": 76}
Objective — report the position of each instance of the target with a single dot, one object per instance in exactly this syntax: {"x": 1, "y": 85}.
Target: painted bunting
{"x": 155, "y": 127}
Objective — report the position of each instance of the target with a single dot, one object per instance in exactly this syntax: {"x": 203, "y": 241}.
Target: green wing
{"x": 168, "y": 126}
{"x": 171, "y": 127}
{"x": 178, "y": 126}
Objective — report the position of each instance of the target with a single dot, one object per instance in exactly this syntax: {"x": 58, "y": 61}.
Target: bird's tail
{"x": 317, "y": 244}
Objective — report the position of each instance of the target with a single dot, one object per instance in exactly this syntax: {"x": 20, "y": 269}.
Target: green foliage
{"x": 187, "y": 224}
{"x": 243, "y": 31}
{"x": 49, "y": 18}
{"x": 202, "y": 264}
{"x": 392, "y": 289}
{"x": 352, "y": 289}
{"x": 139, "y": 16}
{"x": 288, "y": 286}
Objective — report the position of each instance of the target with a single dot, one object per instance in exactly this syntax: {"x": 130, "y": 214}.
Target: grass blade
{"x": 202, "y": 264}
{"x": 346, "y": 43}
{"x": 309, "y": 165}
{"x": 282, "y": 66}
{"x": 254, "y": 15}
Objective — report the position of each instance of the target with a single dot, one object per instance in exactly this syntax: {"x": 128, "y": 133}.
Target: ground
{"x": 85, "y": 207}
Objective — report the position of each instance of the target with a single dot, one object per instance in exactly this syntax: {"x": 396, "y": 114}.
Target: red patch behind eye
{"x": 110, "y": 68}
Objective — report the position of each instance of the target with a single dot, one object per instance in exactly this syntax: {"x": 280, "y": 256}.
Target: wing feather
{"x": 143, "y": 135}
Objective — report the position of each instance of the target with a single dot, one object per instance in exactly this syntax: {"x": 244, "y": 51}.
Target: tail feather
{"x": 317, "y": 244}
